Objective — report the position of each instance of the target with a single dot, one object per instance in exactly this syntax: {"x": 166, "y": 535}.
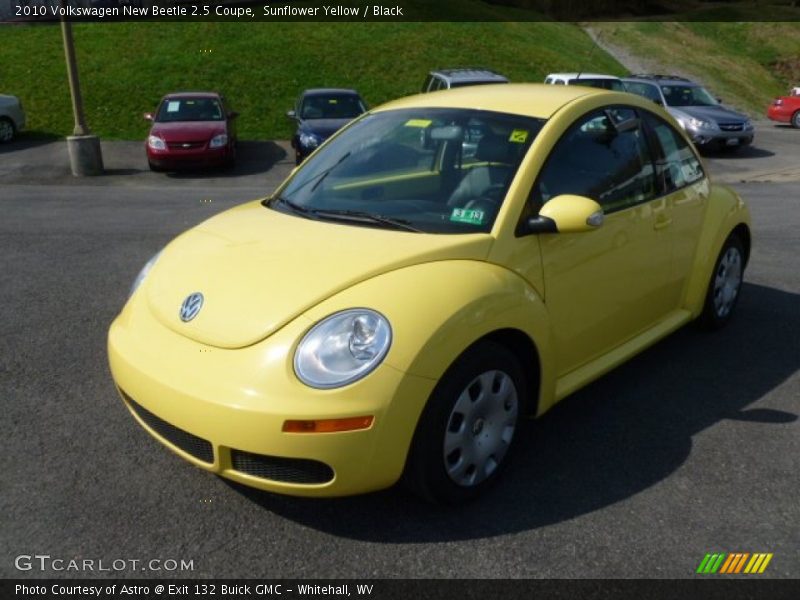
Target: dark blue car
{"x": 321, "y": 112}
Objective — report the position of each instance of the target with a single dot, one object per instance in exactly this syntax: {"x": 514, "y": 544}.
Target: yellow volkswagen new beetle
{"x": 442, "y": 267}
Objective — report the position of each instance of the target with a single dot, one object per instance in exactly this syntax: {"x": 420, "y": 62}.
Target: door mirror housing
{"x": 148, "y": 116}
{"x": 567, "y": 214}
{"x": 291, "y": 114}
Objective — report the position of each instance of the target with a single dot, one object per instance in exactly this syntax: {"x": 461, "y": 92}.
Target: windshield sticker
{"x": 518, "y": 136}
{"x": 467, "y": 215}
{"x": 333, "y": 101}
{"x": 418, "y": 122}
{"x": 173, "y": 106}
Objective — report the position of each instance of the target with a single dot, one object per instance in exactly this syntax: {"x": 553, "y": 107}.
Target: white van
{"x": 606, "y": 82}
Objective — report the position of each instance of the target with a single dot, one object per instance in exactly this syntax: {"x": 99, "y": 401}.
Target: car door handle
{"x": 662, "y": 223}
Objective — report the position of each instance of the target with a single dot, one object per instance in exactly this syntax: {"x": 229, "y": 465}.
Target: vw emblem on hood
{"x": 191, "y": 306}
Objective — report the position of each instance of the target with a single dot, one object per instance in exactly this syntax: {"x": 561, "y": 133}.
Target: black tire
{"x": 725, "y": 285}
{"x": 7, "y": 130}
{"x": 153, "y": 167}
{"x": 480, "y": 428}
{"x": 796, "y": 120}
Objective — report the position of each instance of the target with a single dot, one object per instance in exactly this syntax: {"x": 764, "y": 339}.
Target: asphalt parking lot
{"x": 690, "y": 448}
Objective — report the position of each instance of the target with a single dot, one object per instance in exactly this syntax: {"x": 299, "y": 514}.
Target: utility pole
{"x": 85, "y": 155}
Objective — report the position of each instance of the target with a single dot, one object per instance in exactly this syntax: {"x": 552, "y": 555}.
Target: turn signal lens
{"x": 327, "y": 425}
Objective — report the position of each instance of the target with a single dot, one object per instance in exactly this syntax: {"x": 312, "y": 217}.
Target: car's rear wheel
{"x": 796, "y": 120}
{"x": 466, "y": 432}
{"x": 7, "y": 130}
{"x": 725, "y": 284}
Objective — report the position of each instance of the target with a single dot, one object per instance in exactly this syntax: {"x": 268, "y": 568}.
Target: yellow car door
{"x": 603, "y": 287}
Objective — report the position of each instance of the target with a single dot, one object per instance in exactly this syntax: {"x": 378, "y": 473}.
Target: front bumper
{"x": 176, "y": 158}
{"x": 711, "y": 137}
{"x": 223, "y": 410}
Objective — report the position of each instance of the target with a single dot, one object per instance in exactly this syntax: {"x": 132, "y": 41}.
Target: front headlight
{"x": 699, "y": 124}
{"x": 143, "y": 273}
{"x": 218, "y": 141}
{"x": 748, "y": 124}
{"x": 342, "y": 348}
{"x": 156, "y": 143}
{"x": 309, "y": 140}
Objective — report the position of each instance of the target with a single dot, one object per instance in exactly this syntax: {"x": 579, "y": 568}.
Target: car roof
{"x": 470, "y": 74}
{"x": 583, "y": 75}
{"x": 192, "y": 95}
{"x": 661, "y": 80}
{"x": 325, "y": 91}
{"x": 537, "y": 100}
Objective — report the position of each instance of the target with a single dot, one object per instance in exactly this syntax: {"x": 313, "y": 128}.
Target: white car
{"x": 12, "y": 117}
{"x": 606, "y": 82}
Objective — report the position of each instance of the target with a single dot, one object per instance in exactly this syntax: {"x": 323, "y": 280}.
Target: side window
{"x": 677, "y": 165}
{"x": 603, "y": 156}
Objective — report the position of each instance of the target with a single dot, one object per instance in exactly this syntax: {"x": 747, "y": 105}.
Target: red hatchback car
{"x": 191, "y": 129}
{"x": 786, "y": 109}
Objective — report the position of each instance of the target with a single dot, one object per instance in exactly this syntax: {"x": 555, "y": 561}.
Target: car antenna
{"x": 591, "y": 51}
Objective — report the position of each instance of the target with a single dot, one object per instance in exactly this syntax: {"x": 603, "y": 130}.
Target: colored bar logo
{"x": 734, "y": 562}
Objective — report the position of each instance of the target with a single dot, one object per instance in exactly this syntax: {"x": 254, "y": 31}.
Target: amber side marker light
{"x": 327, "y": 425}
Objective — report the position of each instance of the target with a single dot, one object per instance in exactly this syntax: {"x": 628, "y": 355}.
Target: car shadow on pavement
{"x": 252, "y": 158}
{"x": 738, "y": 153}
{"x": 27, "y": 140}
{"x": 615, "y": 438}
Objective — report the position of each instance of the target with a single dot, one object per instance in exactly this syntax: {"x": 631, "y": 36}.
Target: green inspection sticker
{"x": 467, "y": 215}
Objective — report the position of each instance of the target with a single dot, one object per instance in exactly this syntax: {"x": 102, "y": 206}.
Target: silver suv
{"x": 707, "y": 122}
{"x": 444, "y": 79}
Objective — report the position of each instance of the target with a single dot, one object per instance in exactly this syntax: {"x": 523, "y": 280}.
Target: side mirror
{"x": 658, "y": 101}
{"x": 148, "y": 116}
{"x": 233, "y": 114}
{"x": 719, "y": 100}
{"x": 291, "y": 114}
{"x": 567, "y": 214}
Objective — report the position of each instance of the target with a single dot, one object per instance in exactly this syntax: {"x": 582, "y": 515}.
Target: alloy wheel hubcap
{"x": 480, "y": 428}
{"x": 727, "y": 282}
{"x": 6, "y": 131}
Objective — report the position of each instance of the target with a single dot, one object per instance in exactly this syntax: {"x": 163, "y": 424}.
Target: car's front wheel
{"x": 467, "y": 430}
{"x": 796, "y": 120}
{"x": 7, "y": 130}
{"x": 725, "y": 285}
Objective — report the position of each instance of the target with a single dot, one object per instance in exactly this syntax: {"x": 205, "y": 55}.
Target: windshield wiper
{"x": 366, "y": 217}
{"x": 293, "y": 206}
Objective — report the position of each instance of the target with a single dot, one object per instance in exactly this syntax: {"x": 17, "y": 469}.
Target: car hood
{"x": 715, "y": 114}
{"x": 323, "y": 127}
{"x": 258, "y": 269}
{"x": 190, "y": 131}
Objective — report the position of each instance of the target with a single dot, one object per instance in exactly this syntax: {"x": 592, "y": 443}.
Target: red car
{"x": 191, "y": 129}
{"x": 785, "y": 109}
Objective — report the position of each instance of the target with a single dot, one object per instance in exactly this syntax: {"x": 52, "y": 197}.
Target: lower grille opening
{"x": 278, "y": 468}
{"x": 191, "y": 444}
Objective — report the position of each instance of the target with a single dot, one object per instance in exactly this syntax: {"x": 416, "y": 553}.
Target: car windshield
{"x": 331, "y": 106}
{"x": 458, "y": 84}
{"x": 189, "y": 109}
{"x": 687, "y": 95}
{"x": 430, "y": 170}
{"x": 604, "y": 84}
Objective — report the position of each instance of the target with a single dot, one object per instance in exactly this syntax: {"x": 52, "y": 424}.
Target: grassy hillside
{"x": 747, "y": 64}
{"x": 261, "y": 67}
